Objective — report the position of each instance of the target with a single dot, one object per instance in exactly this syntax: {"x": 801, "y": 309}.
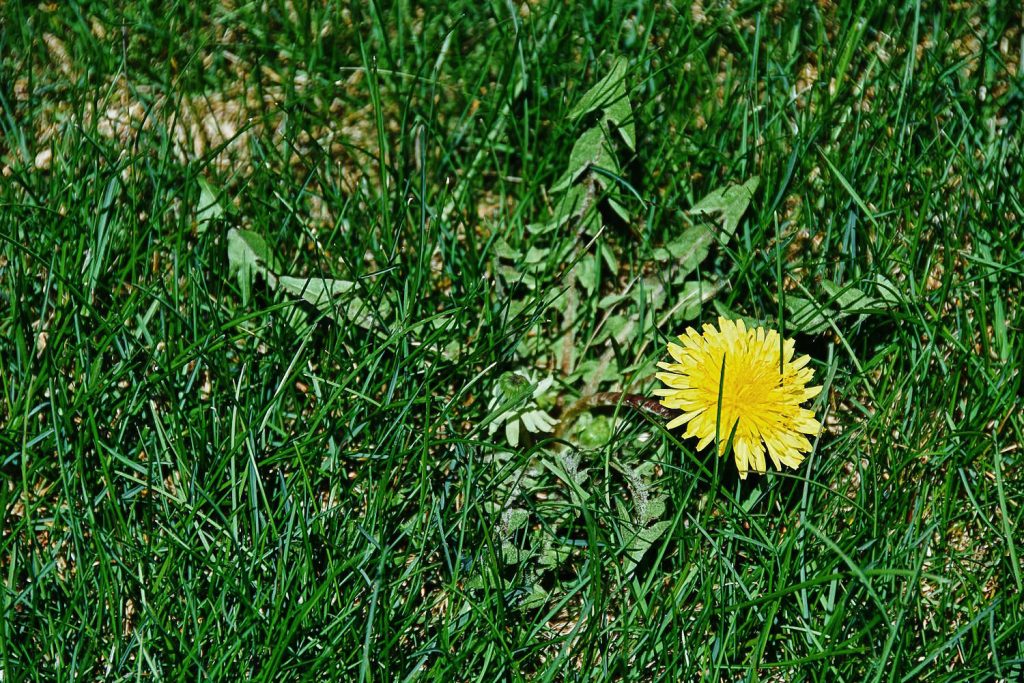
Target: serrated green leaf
{"x": 609, "y": 89}
{"x": 622, "y": 511}
{"x": 535, "y": 255}
{"x": 512, "y": 554}
{"x": 650, "y": 295}
{"x": 502, "y": 249}
{"x": 612, "y": 299}
{"x": 850, "y": 299}
{"x": 513, "y": 276}
{"x": 592, "y": 148}
{"x": 597, "y": 433}
{"x": 611, "y": 328}
{"x": 337, "y": 298}
{"x": 805, "y": 315}
{"x": 209, "y": 206}
{"x": 543, "y": 228}
{"x": 248, "y": 256}
{"x": 587, "y": 273}
{"x": 475, "y": 582}
{"x": 654, "y": 532}
{"x": 690, "y": 300}
{"x": 620, "y": 113}
{"x": 516, "y": 518}
{"x": 570, "y": 204}
{"x": 690, "y": 248}
{"x": 887, "y": 290}
{"x": 729, "y": 203}
{"x": 321, "y": 292}
{"x": 642, "y": 542}
{"x": 535, "y": 598}
{"x": 552, "y": 556}
{"x": 655, "y": 508}
{"x": 619, "y": 209}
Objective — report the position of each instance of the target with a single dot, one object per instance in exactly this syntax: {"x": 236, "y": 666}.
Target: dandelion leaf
{"x": 209, "y": 206}
{"x": 248, "y": 256}
{"x": 609, "y": 96}
{"x": 337, "y": 298}
{"x": 851, "y": 299}
{"x": 593, "y": 148}
{"x": 641, "y": 543}
{"x": 728, "y": 203}
{"x": 690, "y": 300}
{"x": 805, "y": 315}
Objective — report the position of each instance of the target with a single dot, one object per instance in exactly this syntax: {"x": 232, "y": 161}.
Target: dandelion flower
{"x": 760, "y": 392}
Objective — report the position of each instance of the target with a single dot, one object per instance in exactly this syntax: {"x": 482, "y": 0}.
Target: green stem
{"x": 611, "y": 398}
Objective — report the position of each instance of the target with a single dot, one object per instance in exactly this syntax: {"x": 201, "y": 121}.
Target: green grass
{"x": 197, "y": 484}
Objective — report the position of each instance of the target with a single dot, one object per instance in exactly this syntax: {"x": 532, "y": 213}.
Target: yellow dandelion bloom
{"x": 760, "y": 395}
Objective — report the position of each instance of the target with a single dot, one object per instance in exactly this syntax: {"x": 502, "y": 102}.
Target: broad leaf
{"x": 321, "y": 292}
{"x": 643, "y": 541}
{"x": 690, "y": 300}
{"x": 851, "y": 299}
{"x": 805, "y": 315}
{"x": 209, "y": 206}
{"x": 689, "y": 249}
{"x": 591, "y": 149}
{"x": 729, "y": 203}
{"x": 587, "y": 273}
{"x": 606, "y": 91}
{"x": 248, "y": 255}
{"x": 516, "y": 518}
{"x": 609, "y": 96}
{"x": 337, "y": 298}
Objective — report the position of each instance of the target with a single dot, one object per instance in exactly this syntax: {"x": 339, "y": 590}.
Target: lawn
{"x": 329, "y": 334}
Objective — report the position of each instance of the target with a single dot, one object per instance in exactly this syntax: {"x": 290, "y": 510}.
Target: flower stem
{"x": 611, "y": 398}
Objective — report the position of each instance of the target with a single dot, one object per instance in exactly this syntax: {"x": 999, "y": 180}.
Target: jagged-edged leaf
{"x": 620, "y": 113}
{"x": 572, "y": 205}
{"x": 597, "y": 433}
{"x": 611, "y": 328}
{"x": 609, "y": 258}
{"x": 512, "y": 554}
{"x": 604, "y": 91}
{"x": 536, "y": 597}
{"x": 619, "y": 209}
{"x": 805, "y": 315}
{"x": 553, "y": 555}
{"x": 591, "y": 149}
{"x": 728, "y": 203}
{"x": 209, "y": 206}
{"x": 887, "y": 290}
{"x": 609, "y": 96}
{"x": 587, "y": 272}
{"x": 515, "y": 519}
{"x": 535, "y": 255}
{"x": 655, "y": 508}
{"x": 850, "y": 299}
{"x": 513, "y": 275}
{"x": 248, "y": 255}
{"x": 321, "y": 292}
{"x": 690, "y": 300}
{"x": 337, "y": 298}
{"x": 689, "y": 249}
{"x": 503, "y": 249}
{"x": 642, "y": 542}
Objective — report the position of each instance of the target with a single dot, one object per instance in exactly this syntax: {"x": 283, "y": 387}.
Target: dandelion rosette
{"x": 757, "y": 383}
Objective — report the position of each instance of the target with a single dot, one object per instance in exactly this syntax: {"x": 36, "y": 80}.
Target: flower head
{"x": 732, "y": 377}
